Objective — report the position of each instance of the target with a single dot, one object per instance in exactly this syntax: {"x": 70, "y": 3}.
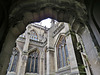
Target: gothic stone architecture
{"x": 49, "y": 51}
{"x": 72, "y": 46}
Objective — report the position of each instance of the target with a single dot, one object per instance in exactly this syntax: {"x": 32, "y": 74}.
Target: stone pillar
{"x": 23, "y": 55}
{"x": 91, "y": 52}
{"x": 27, "y": 34}
{"x": 71, "y": 52}
{"x": 44, "y": 66}
{"x": 48, "y": 65}
{"x": 22, "y": 64}
{"x": 50, "y": 61}
{"x": 55, "y": 59}
{"x": 42, "y": 63}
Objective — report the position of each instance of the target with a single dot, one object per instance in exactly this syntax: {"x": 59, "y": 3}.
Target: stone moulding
{"x": 64, "y": 70}
{"x": 37, "y": 43}
{"x": 11, "y": 73}
{"x": 31, "y": 74}
{"x": 58, "y": 29}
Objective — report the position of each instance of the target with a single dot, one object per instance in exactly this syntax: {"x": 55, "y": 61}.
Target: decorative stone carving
{"x": 79, "y": 47}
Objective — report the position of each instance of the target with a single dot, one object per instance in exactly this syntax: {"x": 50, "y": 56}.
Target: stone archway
{"x": 28, "y": 11}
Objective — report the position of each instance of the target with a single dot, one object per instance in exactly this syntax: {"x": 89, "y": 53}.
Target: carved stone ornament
{"x": 79, "y": 47}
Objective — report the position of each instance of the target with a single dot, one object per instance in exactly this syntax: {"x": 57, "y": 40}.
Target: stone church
{"x": 49, "y": 51}
{"x": 71, "y": 46}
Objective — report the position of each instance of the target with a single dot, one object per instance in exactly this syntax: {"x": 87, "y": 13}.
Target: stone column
{"x": 22, "y": 64}
{"x": 27, "y": 40}
{"x": 23, "y": 55}
{"x": 50, "y": 61}
{"x": 42, "y": 63}
{"x": 71, "y": 52}
{"x": 48, "y": 65}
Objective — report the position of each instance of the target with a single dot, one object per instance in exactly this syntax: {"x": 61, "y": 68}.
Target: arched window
{"x": 62, "y": 53}
{"x": 13, "y": 61}
{"x": 32, "y": 62}
{"x": 34, "y": 35}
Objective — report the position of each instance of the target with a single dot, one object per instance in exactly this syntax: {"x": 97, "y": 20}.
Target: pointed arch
{"x": 62, "y": 52}
{"x": 33, "y": 60}
{"x": 34, "y": 35}
{"x": 61, "y": 34}
{"x": 33, "y": 49}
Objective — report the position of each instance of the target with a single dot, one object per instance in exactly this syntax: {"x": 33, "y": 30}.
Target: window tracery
{"x": 34, "y": 35}
{"x": 32, "y": 62}
{"x": 62, "y": 53}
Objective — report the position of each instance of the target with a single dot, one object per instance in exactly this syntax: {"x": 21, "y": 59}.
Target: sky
{"x": 46, "y": 22}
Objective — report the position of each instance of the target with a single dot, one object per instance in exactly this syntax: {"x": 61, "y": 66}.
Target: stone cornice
{"x": 50, "y": 49}
{"x": 33, "y": 42}
{"x": 58, "y": 29}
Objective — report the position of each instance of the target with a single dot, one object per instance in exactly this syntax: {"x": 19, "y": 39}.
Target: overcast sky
{"x": 46, "y": 22}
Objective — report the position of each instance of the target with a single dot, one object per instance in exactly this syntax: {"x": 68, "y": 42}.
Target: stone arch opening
{"x": 12, "y": 35}
{"x": 21, "y": 17}
{"x": 6, "y": 49}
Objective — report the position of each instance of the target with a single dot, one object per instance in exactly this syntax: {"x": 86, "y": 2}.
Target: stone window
{"x": 34, "y": 35}
{"x": 62, "y": 53}
{"x": 13, "y": 61}
{"x": 32, "y": 62}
